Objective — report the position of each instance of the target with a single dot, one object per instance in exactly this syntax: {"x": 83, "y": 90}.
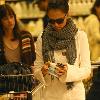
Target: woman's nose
{"x": 56, "y": 24}
{"x": 9, "y": 19}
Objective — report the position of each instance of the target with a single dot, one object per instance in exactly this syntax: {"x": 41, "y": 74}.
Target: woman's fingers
{"x": 61, "y": 71}
{"x": 44, "y": 69}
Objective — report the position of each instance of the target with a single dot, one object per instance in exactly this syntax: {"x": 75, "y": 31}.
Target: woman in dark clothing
{"x": 93, "y": 30}
{"x": 94, "y": 40}
{"x": 16, "y": 51}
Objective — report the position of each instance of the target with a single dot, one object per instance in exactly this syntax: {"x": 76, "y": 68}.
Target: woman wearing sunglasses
{"x": 62, "y": 55}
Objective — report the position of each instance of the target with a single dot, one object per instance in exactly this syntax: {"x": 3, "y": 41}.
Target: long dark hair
{"x": 96, "y": 4}
{"x": 58, "y": 4}
{"x": 5, "y": 10}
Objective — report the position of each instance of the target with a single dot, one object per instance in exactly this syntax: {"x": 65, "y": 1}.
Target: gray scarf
{"x": 59, "y": 40}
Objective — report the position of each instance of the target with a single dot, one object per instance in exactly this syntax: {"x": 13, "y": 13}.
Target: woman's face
{"x": 8, "y": 22}
{"x": 57, "y": 18}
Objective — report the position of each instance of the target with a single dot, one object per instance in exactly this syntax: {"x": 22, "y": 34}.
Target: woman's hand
{"x": 61, "y": 70}
{"x": 45, "y": 67}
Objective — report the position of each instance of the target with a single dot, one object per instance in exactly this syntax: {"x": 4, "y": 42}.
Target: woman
{"x": 92, "y": 24}
{"x": 62, "y": 55}
{"x": 15, "y": 45}
{"x": 93, "y": 29}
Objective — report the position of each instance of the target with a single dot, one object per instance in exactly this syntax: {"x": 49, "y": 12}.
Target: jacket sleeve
{"x": 39, "y": 60}
{"x": 83, "y": 70}
{"x": 33, "y": 49}
{"x": 28, "y": 54}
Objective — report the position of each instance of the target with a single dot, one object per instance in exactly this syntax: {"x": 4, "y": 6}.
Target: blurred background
{"x": 30, "y": 15}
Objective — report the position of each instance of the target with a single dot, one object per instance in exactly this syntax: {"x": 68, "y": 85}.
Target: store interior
{"x": 30, "y": 16}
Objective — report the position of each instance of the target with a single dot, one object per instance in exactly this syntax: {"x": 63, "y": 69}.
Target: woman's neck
{"x": 9, "y": 35}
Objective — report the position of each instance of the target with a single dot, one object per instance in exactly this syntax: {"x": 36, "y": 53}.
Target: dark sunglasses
{"x": 58, "y": 21}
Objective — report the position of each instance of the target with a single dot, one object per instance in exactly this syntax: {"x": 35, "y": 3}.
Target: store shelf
{"x": 27, "y": 19}
{"x": 78, "y": 16}
{"x": 19, "y": 0}
{"x": 84, "y": 7}
{"x": 26, "y": 10}
{"x": 15, "y": 0}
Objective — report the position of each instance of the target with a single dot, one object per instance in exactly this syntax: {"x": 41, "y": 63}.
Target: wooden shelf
{"x": 26, "y": 20}
{"x": 19, "y": 0}
{"x": 14, "y": 0}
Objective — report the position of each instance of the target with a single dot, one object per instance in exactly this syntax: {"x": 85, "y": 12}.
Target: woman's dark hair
{"x": 6, "y": 10}
{"x": 96, "y": 4}
{"x": 58, "y": 4}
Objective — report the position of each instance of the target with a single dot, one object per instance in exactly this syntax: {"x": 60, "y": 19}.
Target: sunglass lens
{"x": 51, "y": 21}
{"x": 59, "y": 21}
